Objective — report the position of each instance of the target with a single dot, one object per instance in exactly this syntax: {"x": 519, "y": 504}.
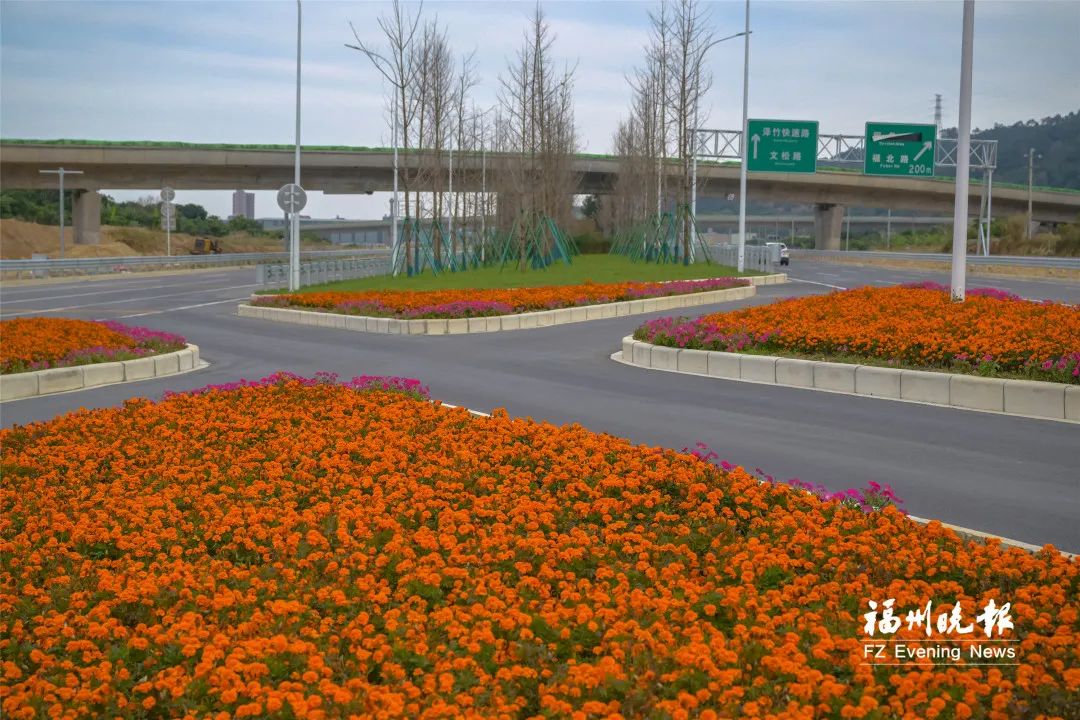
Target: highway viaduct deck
{"x": 342, "y": 171}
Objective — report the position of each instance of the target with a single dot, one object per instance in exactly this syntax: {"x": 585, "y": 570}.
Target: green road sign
{"x": 782, "y": 146}
{"x": 900, "y": 149}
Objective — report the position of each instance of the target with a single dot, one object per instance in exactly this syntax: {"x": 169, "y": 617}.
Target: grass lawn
{"x": 597, "y": 268}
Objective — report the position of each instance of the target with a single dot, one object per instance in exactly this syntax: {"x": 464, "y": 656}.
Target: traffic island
{"x": 19, "y": 386}
{"x": 994, "y": 352}
{"x": 41, "y": 356}
{"x": 349, "y": 529}
{"x": 327, "y": 316}
{"x": 1024, "y": 398}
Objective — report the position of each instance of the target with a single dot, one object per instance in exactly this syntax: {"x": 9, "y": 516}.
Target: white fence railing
{"x": 756, "y": 257}
{"x": 317, "y": 272}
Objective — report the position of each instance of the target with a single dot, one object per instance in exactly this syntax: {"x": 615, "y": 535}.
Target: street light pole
{"x": 395, "y": 250}
{"x": 61, "y": 172}
{"x": 963, "y": 158}
{"x": 1031, "y": 176}
{"x": 450, "y": 199}
{"x": 294, "y": 240}
{"x": 483, "y": 180}
{"x": 694, "y": 144}
{"x": 483, "y": 197}
{"x": 745, "y": 142}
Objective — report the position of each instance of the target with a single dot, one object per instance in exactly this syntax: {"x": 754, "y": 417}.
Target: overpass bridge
{"x": 344, "y": 170}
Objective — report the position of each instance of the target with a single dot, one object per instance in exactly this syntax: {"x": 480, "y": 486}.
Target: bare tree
{"x": 692, "y": 39}
{"x": 466, "y": 80}
{"x": 665, "y": 109}
{"x": 538, "y": 127}
{"x": 438, "y": 110}
{"x": 399, "y": 28}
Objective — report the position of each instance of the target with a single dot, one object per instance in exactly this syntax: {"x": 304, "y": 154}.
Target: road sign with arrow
{"x": 900, "y": 149}
{"x": 291, "y": 198}
{"x": 782, "y": 146}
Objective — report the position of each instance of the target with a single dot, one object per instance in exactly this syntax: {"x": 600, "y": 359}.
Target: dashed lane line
{"x": 129, "y": 300}
{"x": 175, "y": 309}
{"x": 104, "y": 292}
{"x": 814, "y": 282}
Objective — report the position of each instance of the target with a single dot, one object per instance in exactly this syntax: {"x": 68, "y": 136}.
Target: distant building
{"x": 243, "y": 205}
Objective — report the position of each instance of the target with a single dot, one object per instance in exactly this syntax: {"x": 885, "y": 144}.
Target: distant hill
{"x": 1056, "y": 138}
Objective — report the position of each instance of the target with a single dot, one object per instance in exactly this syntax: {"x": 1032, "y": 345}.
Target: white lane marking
{"x": 134, "y": 285}
{"x": 169, "y": 310}
{"x": 128, "y": 283}
{"x": 812, "y": 282}
{"x": 129, "y": 300}
{"x": 470, "y": 410}
{"x": 1059, "y": 283}
{"x": 102, "y": 292}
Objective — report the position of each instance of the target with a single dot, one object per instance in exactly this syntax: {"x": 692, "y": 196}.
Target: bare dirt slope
{"x": 19, "y": 239}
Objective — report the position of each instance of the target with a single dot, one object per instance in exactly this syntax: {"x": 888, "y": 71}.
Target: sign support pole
{"x": 394, "y": 240}
{"x": 963, "y": 158}
{"x": 745, "y": 142}
{"x": 294, "y": 239}
{"x": 61, "y": 172}
{"x": 167, "y": 195}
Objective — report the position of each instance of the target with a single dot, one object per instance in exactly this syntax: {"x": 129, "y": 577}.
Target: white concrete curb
{"x": 775, "y": 279}
{"x": 519, "y": 321}
{"x": 982, "y": 537}
{"x": 1022, "y": 398}
{"x": 19, "y": 386}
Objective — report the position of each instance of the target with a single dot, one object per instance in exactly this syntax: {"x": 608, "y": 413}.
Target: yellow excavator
{"x": 203, "y": 246}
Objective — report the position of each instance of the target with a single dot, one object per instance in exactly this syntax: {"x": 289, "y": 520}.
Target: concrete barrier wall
{"x": 1046, "y": 400}
{"x": 79, "y": 377}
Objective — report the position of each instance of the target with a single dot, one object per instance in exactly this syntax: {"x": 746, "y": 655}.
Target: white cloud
{"x": 224, "y": 72}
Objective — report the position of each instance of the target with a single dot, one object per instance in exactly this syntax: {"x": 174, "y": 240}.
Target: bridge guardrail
{"x": 322, "y": 271}
{"x": 1017, "y": 260}
{"x": 38, "y": 268}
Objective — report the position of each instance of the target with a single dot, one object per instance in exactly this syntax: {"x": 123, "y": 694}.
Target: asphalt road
{"x": 1011, "y": 476}
{"x": 848, "y": 275}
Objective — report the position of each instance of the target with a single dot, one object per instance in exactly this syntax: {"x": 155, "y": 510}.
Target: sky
{"x": 225, "y": 71}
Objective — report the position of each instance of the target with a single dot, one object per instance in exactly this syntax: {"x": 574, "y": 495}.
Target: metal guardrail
{"x": 756, "y": 257}
{"x": 322, "y": 271}
{"x": 98, "y": 266}
{"x": 1017, "y": 260}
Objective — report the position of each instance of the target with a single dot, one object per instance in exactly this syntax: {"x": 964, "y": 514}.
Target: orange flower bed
{"x": 38, "y": 343}
{"x": 483, "y": 302}
{"x": 900, "y": 325}
{"x": 322, "y": 552}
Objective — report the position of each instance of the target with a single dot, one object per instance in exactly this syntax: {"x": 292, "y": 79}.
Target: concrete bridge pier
{"x": 86, "y": 217}
{"x": 828, "y": 220}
